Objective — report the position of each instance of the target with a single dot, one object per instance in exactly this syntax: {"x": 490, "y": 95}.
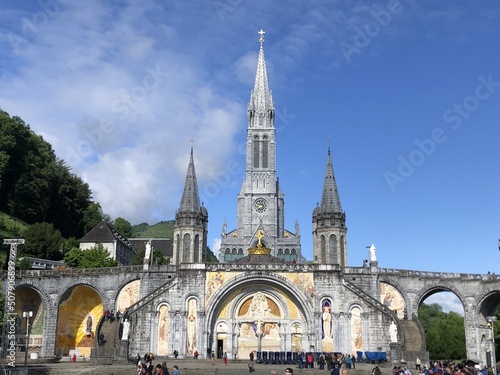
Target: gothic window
{"x": 178, "y": 247}
{"x": 196, "y": 248}
{"x": 342, "y": 250}
{"x": 234, "y": 251}
{"x": 322, "y": 249}
{"x": 287, "y": 251}
{"x": 333, "y": 249}
{"x": 186, "y": 247}
{"x": 228, "y": 251}
{"x": 265, "y": 154}
{"x": 293, "y": 252}
{"x": 240, "y": 251}
{"x": 256, "y": 160}
{"x": 280, "y": 251}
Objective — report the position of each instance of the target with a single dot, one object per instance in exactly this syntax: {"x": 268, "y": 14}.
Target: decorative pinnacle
{"x": 261, "y": 38}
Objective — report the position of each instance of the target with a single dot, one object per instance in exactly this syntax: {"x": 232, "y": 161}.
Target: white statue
{"x": 147, "y": 255}
{"x": 393, "y": 332}
{"x": 373, "y": 257}
{"x": 126, "y": 327}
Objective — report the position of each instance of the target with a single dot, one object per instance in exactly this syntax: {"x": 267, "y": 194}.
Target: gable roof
{"x": 104, "y": 232}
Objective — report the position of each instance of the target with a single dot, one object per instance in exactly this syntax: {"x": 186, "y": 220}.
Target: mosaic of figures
{"x": 304, "y": 282}
{"x": 128, "y": 295}
{"x": 392, "y": 298}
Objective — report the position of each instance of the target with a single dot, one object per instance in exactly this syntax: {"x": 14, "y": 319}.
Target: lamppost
{"x": 27, "y": 315}
{"x": 491, "y": 323}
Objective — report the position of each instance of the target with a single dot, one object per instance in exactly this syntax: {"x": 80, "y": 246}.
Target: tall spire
{"x": 330, "y": 201}
{"x": 261, "y": 98}
{"x": 190, "y": 201}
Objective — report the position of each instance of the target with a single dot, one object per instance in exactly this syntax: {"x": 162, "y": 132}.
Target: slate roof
{"x": 104, "y": 232}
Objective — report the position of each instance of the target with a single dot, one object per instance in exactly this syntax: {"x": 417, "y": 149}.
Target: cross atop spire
{"x": 261, "y": 38}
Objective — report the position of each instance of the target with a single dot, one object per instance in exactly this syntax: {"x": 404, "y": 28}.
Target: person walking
{"x": 251, "y": 366}
{"x": 213, "y": 358}
{"x": 224, "y": 358}
{"x": 176, "y": 370}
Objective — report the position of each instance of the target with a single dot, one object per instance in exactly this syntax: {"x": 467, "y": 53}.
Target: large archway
{"x": 489, "y": 326}
{"x": 261, "y": 313}
{"x": 80, "y": 311}
{"x": 30, "y": 307}
{"x": 441, "y": 314}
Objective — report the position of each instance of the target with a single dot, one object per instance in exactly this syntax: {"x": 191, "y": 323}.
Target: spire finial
{"x": 261, "y": 38}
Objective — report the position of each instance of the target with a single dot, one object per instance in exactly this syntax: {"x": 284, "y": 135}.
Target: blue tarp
{"x": 376, "y": 356}
{"x": 359, "y": 356}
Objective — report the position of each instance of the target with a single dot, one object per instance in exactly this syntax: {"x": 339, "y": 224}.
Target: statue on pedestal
{"x": 126, "y": 328}
{"x": 393, "y": 332}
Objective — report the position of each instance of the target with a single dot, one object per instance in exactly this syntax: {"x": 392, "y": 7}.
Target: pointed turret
{"x": 329, "y": 229}
{"x": 261, "y": 106}
{"x": 191, "y": 222}
{"x": 330, "y": 201}
{"x": 190, "y": 201}
{"x": 261, "y": 203}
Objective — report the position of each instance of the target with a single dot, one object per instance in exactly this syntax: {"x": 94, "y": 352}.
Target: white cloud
{"x": 448, "y": 301}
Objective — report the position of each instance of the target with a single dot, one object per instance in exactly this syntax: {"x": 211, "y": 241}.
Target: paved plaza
{"x": 186, "y": 366}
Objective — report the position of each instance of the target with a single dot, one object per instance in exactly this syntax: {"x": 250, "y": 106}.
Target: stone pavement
{"x": 186, "y": 366}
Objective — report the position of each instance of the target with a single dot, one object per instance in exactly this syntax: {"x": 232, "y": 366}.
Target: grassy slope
{"x": 163, "y": 229}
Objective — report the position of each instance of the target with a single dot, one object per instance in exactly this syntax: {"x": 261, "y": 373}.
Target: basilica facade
{"x": 261, "y": 297}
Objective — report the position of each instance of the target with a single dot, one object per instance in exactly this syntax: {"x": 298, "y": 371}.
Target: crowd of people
{"x": 145, "y": 366}
{"x": 447, "y": 368}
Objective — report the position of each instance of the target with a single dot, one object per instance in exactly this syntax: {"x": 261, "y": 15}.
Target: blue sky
{"x": 405, "y": 93}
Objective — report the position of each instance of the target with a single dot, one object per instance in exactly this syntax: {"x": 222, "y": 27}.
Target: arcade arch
{"x": 80, "y": 311}
{"x": 29, "y": 299}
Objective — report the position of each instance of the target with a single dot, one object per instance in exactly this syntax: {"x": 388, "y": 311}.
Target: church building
{"x": 263, "y": 297}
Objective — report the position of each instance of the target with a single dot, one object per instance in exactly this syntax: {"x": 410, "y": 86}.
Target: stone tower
{"x": 261, "y": 203}
{"x": 329, "y": 229}
{"x": 191, "y": 223}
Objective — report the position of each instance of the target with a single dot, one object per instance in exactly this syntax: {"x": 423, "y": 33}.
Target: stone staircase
{"x": 110, "y": 330}
{"x": 414, "y": 345}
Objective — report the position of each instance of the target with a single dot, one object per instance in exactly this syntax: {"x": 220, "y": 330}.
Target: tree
{"x": 95, "y": 257}
{"x": 211, "y": 258}
{"x": 445, "y": 332}
{"x": 123, "y": 226}
{"x": 35, "y": 185}
{"x": 158, "y": 258}
{"x": 70, "y": 198}
{"x": 73, "y": 258}
{"x": 92, "y": 216}
{"x": 43, "y": 241}
{"x": 25, "y": 264}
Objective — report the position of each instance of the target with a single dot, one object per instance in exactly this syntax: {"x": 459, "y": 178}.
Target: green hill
{"x": 163, "y": 229}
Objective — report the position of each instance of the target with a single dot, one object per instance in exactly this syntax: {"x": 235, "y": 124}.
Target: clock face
{"x": 260, "y": 205}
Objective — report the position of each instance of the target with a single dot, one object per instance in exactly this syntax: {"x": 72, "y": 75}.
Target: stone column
{"x": 49, "y": 333}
